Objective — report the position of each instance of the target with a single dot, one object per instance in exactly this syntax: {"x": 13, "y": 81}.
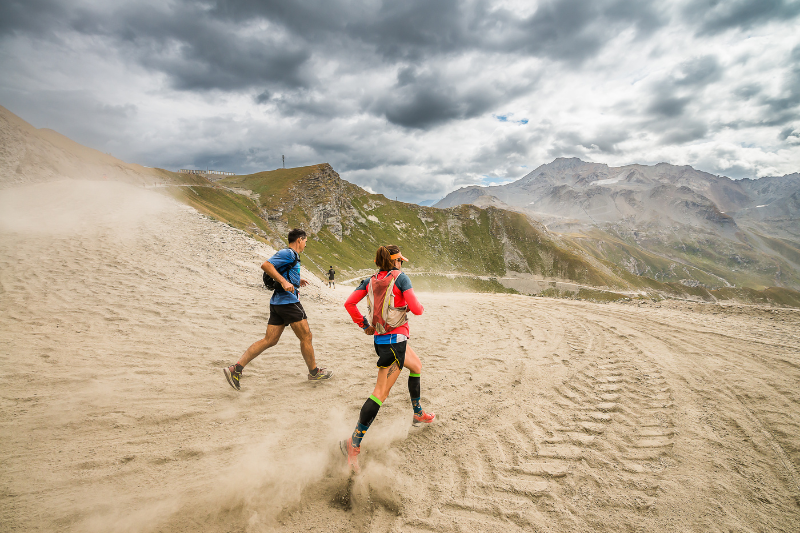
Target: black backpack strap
{"x": 278, "y": 287}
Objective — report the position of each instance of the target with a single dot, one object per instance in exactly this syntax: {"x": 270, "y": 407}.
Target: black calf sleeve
{"x": 413, "y": 386}
{"x": 369, "y": 411}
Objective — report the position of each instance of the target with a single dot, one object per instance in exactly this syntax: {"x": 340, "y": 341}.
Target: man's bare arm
{"x": 272, "y": 272}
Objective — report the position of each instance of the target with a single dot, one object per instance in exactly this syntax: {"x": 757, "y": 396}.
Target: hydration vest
{"x": 383, "y": 315}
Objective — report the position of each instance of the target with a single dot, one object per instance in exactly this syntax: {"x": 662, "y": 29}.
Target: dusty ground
{"x": 118, "y": 309}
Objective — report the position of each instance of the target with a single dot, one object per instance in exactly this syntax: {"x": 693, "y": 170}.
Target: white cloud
{"x": 400, "y": 108}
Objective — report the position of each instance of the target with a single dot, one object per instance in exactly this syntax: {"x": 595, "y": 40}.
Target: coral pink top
{"x": 403, "y": 295}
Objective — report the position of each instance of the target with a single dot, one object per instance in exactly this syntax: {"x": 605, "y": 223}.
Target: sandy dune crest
{"x": 118, "y": 307}
{"x": 30, "y": 155}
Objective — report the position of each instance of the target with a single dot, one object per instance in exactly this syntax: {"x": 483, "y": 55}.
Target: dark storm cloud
{"x": 198, "y": 52}
{"x": 698, "y": 72}
{"x": 608, "y": 142}
{"x": 263, "y": 97}
{"x": 424, "y": 107}
{"x": 30, "y": 16}
{"x": 788, "y": 132}
{"x": 671, "y": 123}
{"x": 673, "y": 97}
{"x": 428, "y": 100}
{"x": 401, "y": 94}
{"x": 220, "y": 45}
{"x": 686, "y": 131}
{"x": 668, "y": 105}
{"x": 413, "y": 30}
{"x": 714, "y": 16}
{"x": 183, "y": 40}
{"x": 425, "y": 99}
{"x": 565, "y": 30}
{"x": 784, "y": 108}
{"x": 574, "y": 30}
{"x": 307, "y": 104}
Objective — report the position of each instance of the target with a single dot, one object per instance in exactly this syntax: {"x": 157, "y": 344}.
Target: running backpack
{"x": 273, "y": 285}
{"x": 383, "y": 315}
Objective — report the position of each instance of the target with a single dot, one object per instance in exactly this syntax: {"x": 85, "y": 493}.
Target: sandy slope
{"x": 30, "y": 155}
{"x": 118, "y": 309}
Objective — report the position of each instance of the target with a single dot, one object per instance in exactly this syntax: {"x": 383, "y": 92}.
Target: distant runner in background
{"x": 331, "y": 273}
{"x": 390, "y": 297}
{"x": 284, "y": 309}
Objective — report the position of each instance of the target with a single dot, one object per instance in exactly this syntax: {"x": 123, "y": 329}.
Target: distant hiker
{"x": 390, "y": 297}
{"x": 284, "y": 309}
{"x": 331, "y": 273}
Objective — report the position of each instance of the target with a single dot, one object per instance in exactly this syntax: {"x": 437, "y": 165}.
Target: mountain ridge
{"x": 464, "y": 247}
{"x": 659, "y": 209}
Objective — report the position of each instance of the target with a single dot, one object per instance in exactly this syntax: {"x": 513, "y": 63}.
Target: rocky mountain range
{"x": 738, "y": 232}
{"x": 568, "y": 228}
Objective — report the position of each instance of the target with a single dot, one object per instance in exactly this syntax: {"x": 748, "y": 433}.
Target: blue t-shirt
{"x": 281, "y": 261}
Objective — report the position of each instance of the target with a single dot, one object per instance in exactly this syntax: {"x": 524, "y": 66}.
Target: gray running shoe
{"x": 232, "y": 376}
{"x": 322, "y": 374}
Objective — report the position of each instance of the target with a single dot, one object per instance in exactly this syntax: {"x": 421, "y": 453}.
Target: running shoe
{"x": 232, "y": 376}
{"x": 322, "y": 374}
{"x": 423, "y": 418}
{"x": 351, "y": 452}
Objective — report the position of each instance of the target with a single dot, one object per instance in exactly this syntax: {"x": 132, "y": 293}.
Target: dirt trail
{"x": 118, "y": 310}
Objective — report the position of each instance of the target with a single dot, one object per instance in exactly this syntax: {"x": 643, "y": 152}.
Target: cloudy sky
{"x": 412, "y": 98}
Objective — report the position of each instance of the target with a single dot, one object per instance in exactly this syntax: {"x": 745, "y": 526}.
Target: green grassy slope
{"x": 460, "y": 248}
{"x": 235, "y": 209}
{"x": 464, "y": 239}
{"x": 708, "y": 259}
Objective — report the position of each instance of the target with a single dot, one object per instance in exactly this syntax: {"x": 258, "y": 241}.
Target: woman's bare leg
{"x": 386, "y": 379}
{"x": 412, "y": 362}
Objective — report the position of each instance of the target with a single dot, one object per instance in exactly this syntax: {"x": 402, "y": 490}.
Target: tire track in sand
{"x": 542, "y": 458}
{"x": 754, "y": 353}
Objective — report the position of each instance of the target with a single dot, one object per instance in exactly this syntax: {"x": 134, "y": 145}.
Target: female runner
{"x": 391, "y": 347}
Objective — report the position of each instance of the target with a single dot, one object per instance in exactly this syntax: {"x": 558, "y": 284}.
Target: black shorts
{"x": 391, "y": 353}
{"x": 282, "y": 315}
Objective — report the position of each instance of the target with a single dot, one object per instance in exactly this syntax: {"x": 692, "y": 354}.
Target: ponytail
{"x": 383, "y": 258}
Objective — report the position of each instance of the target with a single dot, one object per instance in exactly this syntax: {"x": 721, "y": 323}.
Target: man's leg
{"x": 257, "y": 348}
{"x": 234, "y": 372}
{"x": 303, "y": 333}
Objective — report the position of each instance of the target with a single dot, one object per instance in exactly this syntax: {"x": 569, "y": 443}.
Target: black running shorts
{"x": 282, "y": 315}
{"x": 390, "y": 353}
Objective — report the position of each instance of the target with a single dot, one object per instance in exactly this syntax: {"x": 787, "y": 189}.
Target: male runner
{"x": 331, "y": 273}
{"x": 284, "y": 309}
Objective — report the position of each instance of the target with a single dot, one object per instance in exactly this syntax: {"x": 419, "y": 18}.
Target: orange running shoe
{"x": 423, "y": 418}
{"x": 351, "y": 452}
